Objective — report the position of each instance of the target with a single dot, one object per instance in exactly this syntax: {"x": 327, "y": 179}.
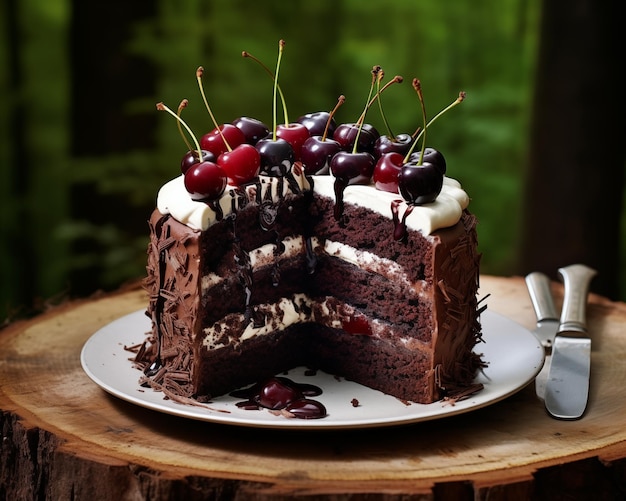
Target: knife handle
{"x": 541, "y": 296}
{"x": 576, "y": 279}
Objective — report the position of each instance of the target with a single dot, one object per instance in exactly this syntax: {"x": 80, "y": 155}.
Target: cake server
{"x": 567, "y": 386}
{"x": 547, "y": 321}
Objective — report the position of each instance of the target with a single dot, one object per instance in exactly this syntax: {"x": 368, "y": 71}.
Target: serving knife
{"x": 567, "y": 385}
{"x": 547, "y": 322}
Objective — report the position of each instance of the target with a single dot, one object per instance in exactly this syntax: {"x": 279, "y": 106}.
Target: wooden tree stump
{"x": 65, "y": 438}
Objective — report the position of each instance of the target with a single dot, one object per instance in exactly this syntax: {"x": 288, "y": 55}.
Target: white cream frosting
{"x": 174, "y": 199}
{"x": 444, "y": 212}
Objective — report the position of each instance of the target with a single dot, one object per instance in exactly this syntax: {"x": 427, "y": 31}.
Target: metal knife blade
{"x": 547, "y": 322}
{"x": 567, "y": 386}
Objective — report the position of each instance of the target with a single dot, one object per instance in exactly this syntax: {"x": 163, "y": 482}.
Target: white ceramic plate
{"x": 514, "y": 357}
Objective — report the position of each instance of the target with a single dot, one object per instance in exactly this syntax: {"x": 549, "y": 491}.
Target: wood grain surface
{"x": 65, "y": 438}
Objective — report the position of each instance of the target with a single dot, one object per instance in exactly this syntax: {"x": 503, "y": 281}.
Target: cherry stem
{"x": 375, "y": 71}
{"x": 281, "y": 46}
{"x": 199, "y": 73}
{"x": 162, "y": 107}
{"x": 183, "y": 104}
{"x": 458, "y": 100}
{"x": 271, "y": 75}
{"x": 396, "y": 79}
{"x": 340, "y": 101}
{"x": 417, "y": 85}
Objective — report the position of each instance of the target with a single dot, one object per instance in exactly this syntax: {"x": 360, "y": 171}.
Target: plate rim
{"x": 214, "y": 414}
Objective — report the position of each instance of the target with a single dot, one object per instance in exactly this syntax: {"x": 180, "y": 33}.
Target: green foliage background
{"x": 485, "y": 47}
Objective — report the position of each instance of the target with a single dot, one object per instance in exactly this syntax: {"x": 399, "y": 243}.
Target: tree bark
{"x": 575, "y": 183}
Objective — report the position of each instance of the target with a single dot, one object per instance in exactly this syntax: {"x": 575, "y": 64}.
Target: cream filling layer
{"x": 444, "y": 212}
{"x": 294, "y": 246}
{"x": 282, "y": 314}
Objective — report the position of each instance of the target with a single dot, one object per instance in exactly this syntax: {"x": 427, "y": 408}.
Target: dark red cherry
{"x": 295, "y": 134}
{"x": 420, "y": 184}
{"x": 357, "y": 325}
{"x": 353, "y": 168}
{"x": 431, "y": 155}
{"x": 400, "y": 144}
{"x": 345, "y": 135}
{"x": 191, "y": 157}
{"x": 252, "y": 129}
{"x": 386, "y": 172}
{"x": 316, "y": 123}
{"x": 277, "y": 156}
{"x": 214, "y": 141}
{"x": 241, "y": 165}
{"x": 275, "y": 394}
{"x": 316, "y": 154}
{"x": 205, "y": 181}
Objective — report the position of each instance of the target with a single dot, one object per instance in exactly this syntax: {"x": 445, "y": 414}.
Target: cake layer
{"x": 379, "y": 364}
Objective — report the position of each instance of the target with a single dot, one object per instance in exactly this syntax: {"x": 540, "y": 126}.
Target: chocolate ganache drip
{"x": 399, "y": 226}
{"x": 268, "y": 209}
{"x": 244, "y": 271}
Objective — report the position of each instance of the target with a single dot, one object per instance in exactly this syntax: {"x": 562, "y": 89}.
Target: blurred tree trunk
{"x": 106, "y": 79}
{"x": 575, "y": 182}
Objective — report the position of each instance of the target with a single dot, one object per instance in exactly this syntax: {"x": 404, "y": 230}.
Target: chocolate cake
{"x": 270, "y": 277}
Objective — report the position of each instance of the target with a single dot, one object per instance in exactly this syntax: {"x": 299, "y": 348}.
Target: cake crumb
{"x": 355, "y": 402}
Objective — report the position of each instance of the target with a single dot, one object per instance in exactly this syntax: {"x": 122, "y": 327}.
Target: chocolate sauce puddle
{"x": 282, "y": 394}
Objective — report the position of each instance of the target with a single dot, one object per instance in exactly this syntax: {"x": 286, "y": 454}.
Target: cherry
{"x": 429, "y": 154}
{"x": 252, "y": 129}
{"x": 278, "y": 152}
{"x": 365, "y": 135}
{"x": 318, "y": 122}
{"x": 241, "y": 164}
{"x": 420, "y": 184}
{"x": 346, "y": 135}
{"x": 386, "y": 171}
{"x": 276, "y": 156}
{"x": 349, "y": 168}
{"x": 432, "y": 156}
{"x": 205, "y": 181}
{"x": 387, "y": 144}
{"x": 353, "y": 167}
{"x": 357, "y": 325}
{"x": 276, "y": 394}
{"x": 317, "y": 153}
{"x": 295, "y": 134}
{"x": 222, "y": 139}
{"x": 191, "y": 157}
